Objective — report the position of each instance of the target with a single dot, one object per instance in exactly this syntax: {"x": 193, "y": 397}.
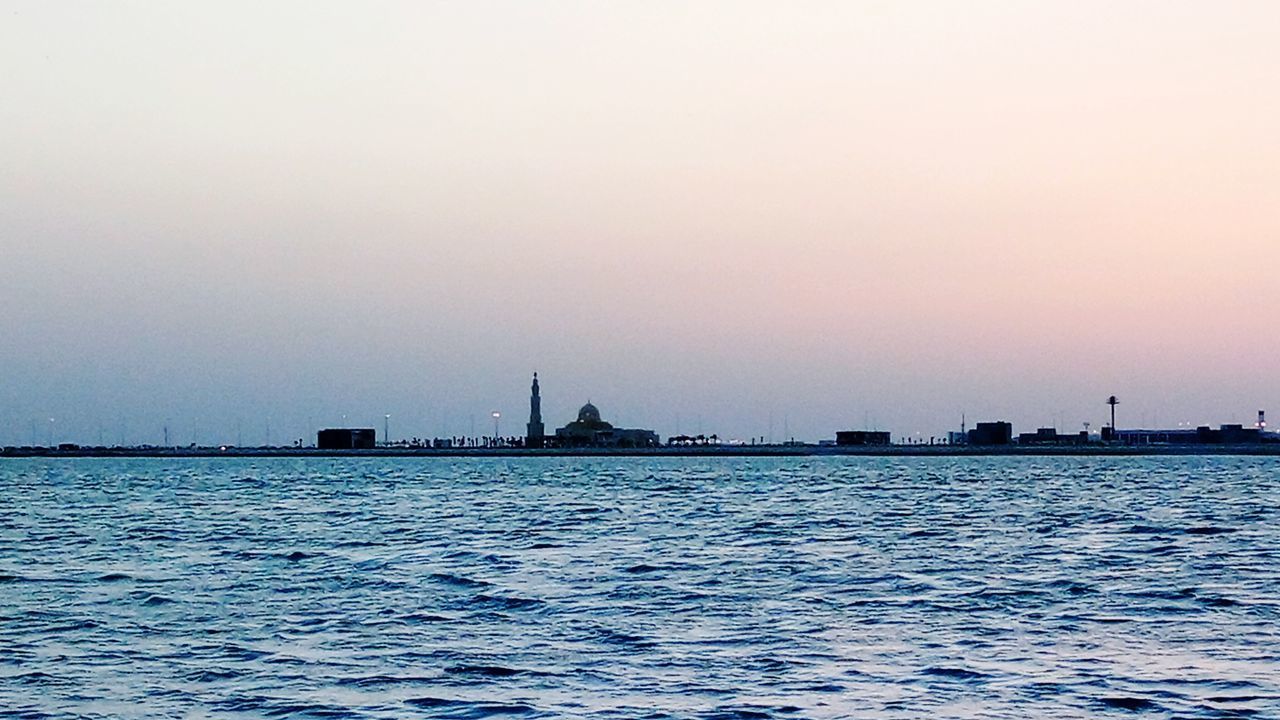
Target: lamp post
{"x": 496, "y": 417}
{"x": 1113, "y": 402}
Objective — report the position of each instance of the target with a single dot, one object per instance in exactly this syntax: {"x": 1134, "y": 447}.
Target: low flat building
{"x": 346, "y": 439}
{"x": 862, "y": 437}
{"x": 1203, "y": 435}
{"x": 1051, "y": 436}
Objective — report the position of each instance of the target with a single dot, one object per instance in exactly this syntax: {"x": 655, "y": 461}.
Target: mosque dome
{"x": 589, "y": 413}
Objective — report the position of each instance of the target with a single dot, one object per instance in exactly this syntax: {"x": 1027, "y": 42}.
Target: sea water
{"x": 640, "y": 588}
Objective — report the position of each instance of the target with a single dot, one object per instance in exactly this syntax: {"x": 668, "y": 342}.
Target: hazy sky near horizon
{"x": 709, "y": 216}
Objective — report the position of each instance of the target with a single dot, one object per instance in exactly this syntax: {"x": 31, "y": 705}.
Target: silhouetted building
{"x": 1051, "y": 436}
{"x": 535, "y": 435}
{"x": 1162, "y": 437}
{"x": 346, "y": 439}
{"x": 862, "y": 437}
{"x": 1234, "y": 434}
{"x": 1203, "y": 435}
{"x": 590, "y": 431}
{"x": 991, "y": 433}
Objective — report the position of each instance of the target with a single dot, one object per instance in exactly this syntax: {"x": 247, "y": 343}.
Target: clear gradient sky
{"x": 705, "y": 216}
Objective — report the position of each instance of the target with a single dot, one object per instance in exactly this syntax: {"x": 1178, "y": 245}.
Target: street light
{"x": 496, "y": 417}
{"x": 386, "y": 432}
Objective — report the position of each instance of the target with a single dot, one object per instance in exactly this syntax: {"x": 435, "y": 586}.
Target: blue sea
{"x": 640, "y": 588}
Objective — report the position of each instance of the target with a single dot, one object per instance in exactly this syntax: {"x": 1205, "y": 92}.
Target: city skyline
{"x": 745, "y": 218}
{"x": 172, "y": 433}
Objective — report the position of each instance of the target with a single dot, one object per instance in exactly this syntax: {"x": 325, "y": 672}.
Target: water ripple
{"x": 640, "y": 588}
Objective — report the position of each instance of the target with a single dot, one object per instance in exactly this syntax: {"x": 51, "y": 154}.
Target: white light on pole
{"x": 496, "y": 417}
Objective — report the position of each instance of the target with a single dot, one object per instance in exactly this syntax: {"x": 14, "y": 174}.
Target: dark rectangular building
{"x": 346, "y": 439}
{"x": 1051, "y": 436}
{"x": 862, "y": 437}
{"x": 991, "y": 433}
{"x": 1203, "y": 435}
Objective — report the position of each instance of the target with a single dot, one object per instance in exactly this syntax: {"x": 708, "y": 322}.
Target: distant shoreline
{"x": 1258, "y": 449}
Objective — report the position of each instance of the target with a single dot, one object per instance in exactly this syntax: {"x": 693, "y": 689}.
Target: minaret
{"x": 536, "y": 434}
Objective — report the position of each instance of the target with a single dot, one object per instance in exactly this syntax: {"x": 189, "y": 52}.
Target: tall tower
{"x": 536, "y": 433}
{"x": 1109, "y": 432}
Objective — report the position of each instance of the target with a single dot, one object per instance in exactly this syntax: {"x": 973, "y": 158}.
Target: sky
{"x": 248, "y": 220}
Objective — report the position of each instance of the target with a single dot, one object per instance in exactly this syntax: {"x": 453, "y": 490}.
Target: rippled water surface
{"x": 640, "y": 588}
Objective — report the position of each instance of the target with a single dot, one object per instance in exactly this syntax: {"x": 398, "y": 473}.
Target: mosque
{"x": 589, "y": 430}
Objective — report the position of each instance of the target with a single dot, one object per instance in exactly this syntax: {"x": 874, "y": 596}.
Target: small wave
{"x": 1129, "y": 703}
{"x": 310, "y": 710}
{"x": 152, "y": 535}
{"x": 74, "y": 626}
{"x": 615, "y": 637}
{"x": 207, "y": 675}
{"x": 825, "y": 688}
{"x": 925, "y": 533}
{"x": 1165, "y": 593}
{"x": 381, "y": 680}
{"x": 459, "y": 581}
{"x": 954, "y": 673}
{"x": 750, "y": 712}
{"x": 1072, "y": 587}
{"x": 642, "y": 568}
{"x": 38, "y": 678}
{"x": 485, "y": 670}
{"x": 1209, "y": 530}
{"x": 417, "y": 618}
{"x": 292, "y": 556}
{"x": 243, "y": 654}
{"x": 505, "y": 603}
{"x": 463, "y": 708}
{"x": 114, "y": 577}
{"x": 21, "y": 714}
{"x": 152, "y": 599}
{"x": 433, "y": 702}
{"x": 1148, "y": 530}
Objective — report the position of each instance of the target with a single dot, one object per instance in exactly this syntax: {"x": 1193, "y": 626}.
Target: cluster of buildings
{"x": 1001, "y": 433}
{"x": 590, "y": 430}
